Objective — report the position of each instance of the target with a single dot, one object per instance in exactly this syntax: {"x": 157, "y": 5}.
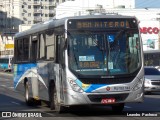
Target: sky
{"x": 147, "y": 3}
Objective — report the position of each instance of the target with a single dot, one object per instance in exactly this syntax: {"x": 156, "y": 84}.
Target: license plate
{"x": 108, "y": 100}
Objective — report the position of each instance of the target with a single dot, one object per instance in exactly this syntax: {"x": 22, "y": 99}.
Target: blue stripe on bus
{"x": 93, "y": 87}
{"x": 89, "y": 87}
{"x": 20, "y": 69}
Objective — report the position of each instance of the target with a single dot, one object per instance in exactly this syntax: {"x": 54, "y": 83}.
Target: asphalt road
{"x": 12, "y": 102}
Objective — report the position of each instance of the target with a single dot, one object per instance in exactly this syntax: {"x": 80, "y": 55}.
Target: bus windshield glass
{"x": 109, "y": 52}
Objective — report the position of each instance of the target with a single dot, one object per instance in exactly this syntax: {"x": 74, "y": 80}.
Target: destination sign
{"x": 101, "y": 23}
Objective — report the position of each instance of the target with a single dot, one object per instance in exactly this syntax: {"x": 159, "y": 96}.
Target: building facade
{"x": 27, "y": 11}
{"x": 19, "y": 15}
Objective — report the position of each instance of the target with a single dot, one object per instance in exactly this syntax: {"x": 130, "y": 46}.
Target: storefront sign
{"x": 149, "y": 30}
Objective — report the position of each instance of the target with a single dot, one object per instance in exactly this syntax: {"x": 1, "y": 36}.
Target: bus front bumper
{"x": 75, "y": 98}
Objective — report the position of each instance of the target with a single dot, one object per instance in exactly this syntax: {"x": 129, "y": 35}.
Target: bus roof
{"x": 59, "y": 22}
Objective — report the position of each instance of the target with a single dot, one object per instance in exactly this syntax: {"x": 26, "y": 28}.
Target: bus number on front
{"x": 121, "y": 88}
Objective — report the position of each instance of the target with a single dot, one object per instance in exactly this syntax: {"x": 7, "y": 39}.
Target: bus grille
{"x": 155, "y": 82}
{"x": 98, "y": 98}
{"x": 107, "y": 80}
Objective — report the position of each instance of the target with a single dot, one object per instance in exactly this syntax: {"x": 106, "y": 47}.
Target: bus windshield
{"x": 104, "y": 53}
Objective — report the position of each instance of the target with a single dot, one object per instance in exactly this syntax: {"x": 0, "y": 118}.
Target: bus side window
{"x": 34, "y": 48}
{"x": 20, "y": 50}
{"x": 60, "y": 48}
{"x": 50, "y": 45}
{"x": 42, "y": 47}
{"x": 26, "y": 49}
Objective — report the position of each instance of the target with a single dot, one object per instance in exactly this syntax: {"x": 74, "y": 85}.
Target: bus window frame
{"x": 16, "y": 49}
{"x": 34, "y": 58}
{"x": 39, "y": 46}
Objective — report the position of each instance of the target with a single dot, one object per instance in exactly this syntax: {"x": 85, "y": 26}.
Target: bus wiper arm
{"x": 118, "y": 35}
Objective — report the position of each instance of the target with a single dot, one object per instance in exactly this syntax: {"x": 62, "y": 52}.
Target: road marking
{"x": 15, "y": 103}
{"x": 7, "y": 86}
{"x": 127, "y": 107}
{"x": 4, "y": 80}
{"x": 11, "y": 87}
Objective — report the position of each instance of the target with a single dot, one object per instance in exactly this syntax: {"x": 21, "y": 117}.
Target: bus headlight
{"x": 138, "y": 85}
{"x": 74, "y": 85}
{"x": 147, "y": 82}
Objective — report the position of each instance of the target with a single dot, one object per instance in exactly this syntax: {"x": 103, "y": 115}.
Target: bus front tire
{"x": 54, "y": 105}
{"x": 28, "y": 99}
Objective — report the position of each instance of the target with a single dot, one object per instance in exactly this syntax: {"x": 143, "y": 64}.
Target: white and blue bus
{"x": 81, "y": 60}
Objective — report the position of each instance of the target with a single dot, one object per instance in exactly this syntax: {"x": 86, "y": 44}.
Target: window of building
{"x": 22, "y": 6}
{"x": 51, "y": 7}
{"x": 29, "y": 6}
{"x": 35, "y": 7}
{"x": 51, "y": 15}
{"x": 29, "y": 22}
{"x": 46, "y": 15}
{"x": 29, "y": 14}
{"x": 37, "y": 14}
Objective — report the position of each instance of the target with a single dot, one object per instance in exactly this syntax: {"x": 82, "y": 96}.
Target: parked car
{"x": 152, "y": 80}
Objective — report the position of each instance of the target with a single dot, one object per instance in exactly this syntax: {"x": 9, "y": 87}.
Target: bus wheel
{"x": 29, "y": 100}
{"x": 54, "y": 105}
{"x": 118, "y": 107}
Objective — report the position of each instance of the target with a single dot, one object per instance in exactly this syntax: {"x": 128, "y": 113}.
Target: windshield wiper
{"x": 119, "y": 34}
